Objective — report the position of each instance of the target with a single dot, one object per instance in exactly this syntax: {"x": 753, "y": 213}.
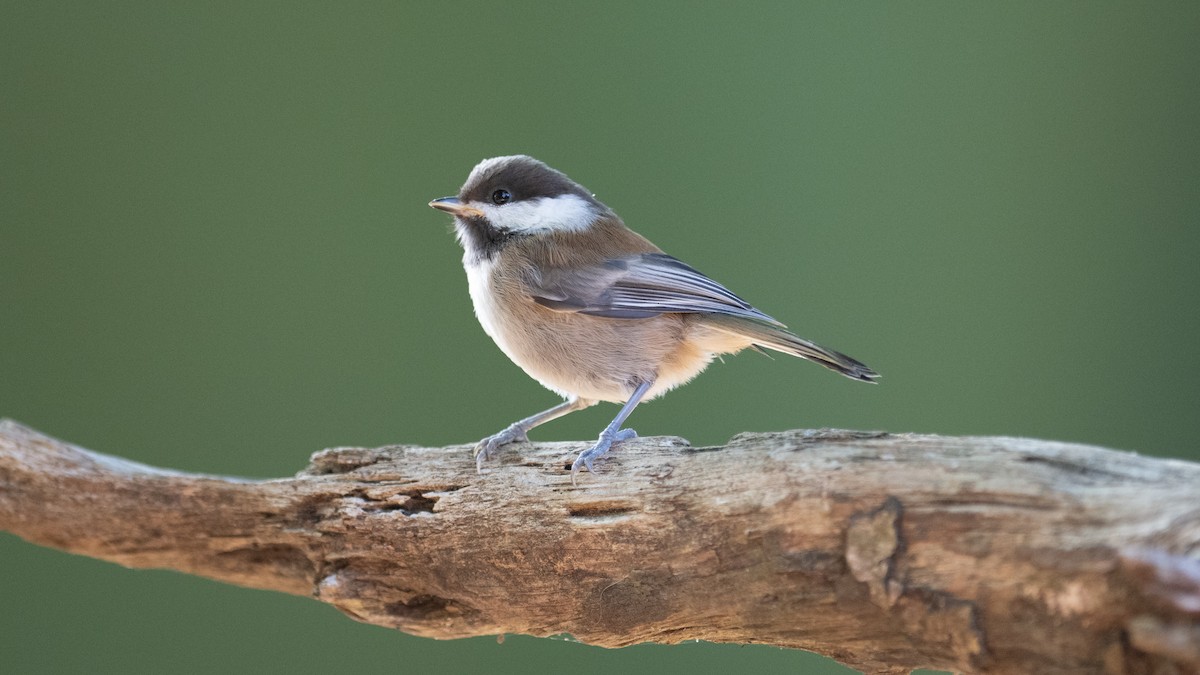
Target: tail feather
{"x": 774, "y": 337}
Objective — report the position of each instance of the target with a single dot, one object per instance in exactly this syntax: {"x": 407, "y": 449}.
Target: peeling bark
{"x": 886, "y": 552}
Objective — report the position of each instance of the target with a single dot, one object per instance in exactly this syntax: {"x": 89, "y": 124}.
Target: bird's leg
{"x": 613, "y": 433}
{"x": 519, "y": 431}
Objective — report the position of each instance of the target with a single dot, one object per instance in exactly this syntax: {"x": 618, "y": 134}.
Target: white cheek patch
{"x": 564, "y": 213}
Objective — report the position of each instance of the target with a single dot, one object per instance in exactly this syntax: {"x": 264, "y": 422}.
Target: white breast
{"x": 479, "y": 282}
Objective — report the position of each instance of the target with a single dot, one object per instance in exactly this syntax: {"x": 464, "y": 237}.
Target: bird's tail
{"x": 774, "y": 337}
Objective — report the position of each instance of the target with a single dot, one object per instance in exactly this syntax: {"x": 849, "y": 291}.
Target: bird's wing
{"x": 638, "y": 287}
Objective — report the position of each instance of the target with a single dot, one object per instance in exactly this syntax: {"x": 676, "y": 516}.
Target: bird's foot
{"x": 602, "y": 446}
{"x": 490, "y": 446}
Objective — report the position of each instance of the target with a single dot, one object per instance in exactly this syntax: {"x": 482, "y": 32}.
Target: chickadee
{"x": 591, "y": 309}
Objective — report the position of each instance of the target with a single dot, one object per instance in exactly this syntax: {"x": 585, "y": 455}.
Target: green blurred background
{"x": 216, "y": 254}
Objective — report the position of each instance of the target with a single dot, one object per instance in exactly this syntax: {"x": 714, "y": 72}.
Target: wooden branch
{"x": 885, "y": 552}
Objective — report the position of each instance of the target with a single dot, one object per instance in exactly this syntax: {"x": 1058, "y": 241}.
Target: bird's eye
{"x": 501, "y": 196}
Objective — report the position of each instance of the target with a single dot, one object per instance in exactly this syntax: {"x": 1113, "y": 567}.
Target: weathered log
{"x": 884, "y": 551}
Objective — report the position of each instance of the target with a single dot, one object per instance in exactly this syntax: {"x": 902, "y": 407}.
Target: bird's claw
{"x": 603, "y": 445}
{"x": 490, "y": 446}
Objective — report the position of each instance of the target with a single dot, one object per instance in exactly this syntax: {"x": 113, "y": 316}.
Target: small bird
{"x": 591, "y": 309}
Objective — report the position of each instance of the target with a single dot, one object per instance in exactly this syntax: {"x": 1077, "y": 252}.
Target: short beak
{"x": 453, "y": 206}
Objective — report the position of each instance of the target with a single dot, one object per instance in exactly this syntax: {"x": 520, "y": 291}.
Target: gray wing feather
{"x": 639, "y": 287}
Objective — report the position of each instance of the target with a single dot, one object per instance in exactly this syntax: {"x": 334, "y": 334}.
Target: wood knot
{"x": 872, "y": 541}
{"x": 617, "y": 607}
